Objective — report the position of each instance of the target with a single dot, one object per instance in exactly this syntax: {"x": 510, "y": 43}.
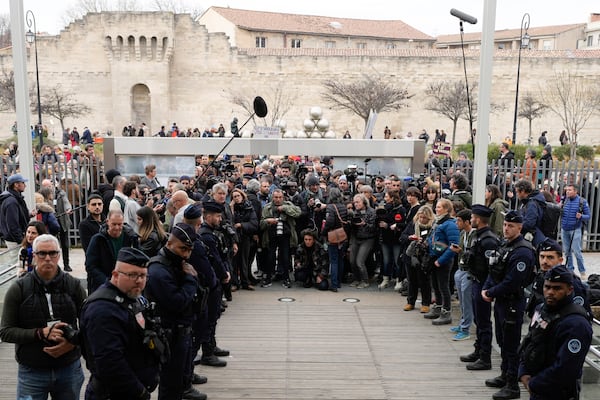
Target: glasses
{"x": 44, "y": 254}
{"x": 134, "y": 276}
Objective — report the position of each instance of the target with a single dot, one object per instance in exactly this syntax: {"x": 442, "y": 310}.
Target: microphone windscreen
{"x": 260, "y": 107}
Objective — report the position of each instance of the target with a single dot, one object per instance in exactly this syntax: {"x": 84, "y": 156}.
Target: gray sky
{"x": 429, "y": 16}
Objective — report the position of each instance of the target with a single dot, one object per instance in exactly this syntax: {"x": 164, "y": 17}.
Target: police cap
{"x": 212, "y": 207}
{"x": 550, "y": 245}
{"x": 185, "y": 233}
{"x": 481, "y": 210}
{"x": 560, "y": 273}
{"x": 193, "y": 211}
{"x": 133, "y": 256}
{"x": 513, "y": 216}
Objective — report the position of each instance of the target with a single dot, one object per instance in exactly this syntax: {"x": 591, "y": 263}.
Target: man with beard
{"x": 553, "y": 353}
{"x": 93, "y": 222}
{"x": 113, "y": 329}
{"x": 173, "y": 286}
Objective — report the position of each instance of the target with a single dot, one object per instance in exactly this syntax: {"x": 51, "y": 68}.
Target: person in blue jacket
{"x": 553, "y": 353}
{"x": 510, "y": 271}
{"x": 575, "y": 213}
{"x": 532, "y": 208}
{"x": 445, "y": 233}
{"x": 113, "y": 329}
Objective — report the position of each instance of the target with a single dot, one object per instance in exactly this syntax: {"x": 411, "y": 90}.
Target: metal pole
{"x": 524, "y": 24}
{"x": 483, "y": 114}
{"x": 23, "y": 108}
{"x": 30, "y": 19}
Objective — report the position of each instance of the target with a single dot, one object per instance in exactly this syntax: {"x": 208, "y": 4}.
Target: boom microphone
{"x": 260, "y": 107}
{"x": 463, "y": 16}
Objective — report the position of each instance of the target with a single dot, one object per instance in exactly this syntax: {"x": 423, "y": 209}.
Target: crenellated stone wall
{"x": 188, "y": 76}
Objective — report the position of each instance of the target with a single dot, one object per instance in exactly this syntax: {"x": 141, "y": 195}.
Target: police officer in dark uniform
{"x": 549, "y": 256}
{"x": 511, "y": 270}
{"x": 173, "y": 286}
{"x": 477, "y": 265}
{"x": 116, "y": 334}
{"x": 213, "y": 213}
{"x": 553, "y": 353}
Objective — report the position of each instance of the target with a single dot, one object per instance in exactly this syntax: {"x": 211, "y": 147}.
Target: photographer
{"x": 312, "y": 205}
{"x": 245, "y": 224}
{"x": 48, "y": 362}
{"x": 362, "y": 239}
{"x": 391, "y": 221}
{"x": 311, "y": 263}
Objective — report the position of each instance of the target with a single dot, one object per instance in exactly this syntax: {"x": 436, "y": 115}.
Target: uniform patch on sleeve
{"x": 574, "y": 346}
{"x": 578, "y": 300}
{"x": 521, "y": 266}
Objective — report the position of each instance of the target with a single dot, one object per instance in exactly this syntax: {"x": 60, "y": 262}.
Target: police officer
{"x": 510, "y": 272}
{"x": 477, "y": 265}
{"x": 173, "y": 286}
{"x": 560, "y": 334}
{"x": 114, "y": 328}
{"x": 213, "y": 213}
{"x": 549, "y": 256}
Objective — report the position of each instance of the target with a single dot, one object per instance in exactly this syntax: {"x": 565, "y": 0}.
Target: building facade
{"x": 163, "y": 68}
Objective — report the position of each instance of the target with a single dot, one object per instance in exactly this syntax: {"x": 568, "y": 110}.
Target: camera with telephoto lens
{"x": 318, "y": 203}
{"x": 70, "y": 334}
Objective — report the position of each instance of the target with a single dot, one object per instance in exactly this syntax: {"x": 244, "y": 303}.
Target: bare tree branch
{"x": 370, "y": 92}
{"x": 574, "y": 100}
{"x": 61, "y": 105}
{"x": 7, "y": 90}
{"x": 5, "y": 38}
{"x": 530, "y": 108}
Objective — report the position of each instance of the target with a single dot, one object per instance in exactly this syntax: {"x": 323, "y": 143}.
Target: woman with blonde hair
{"x": 445, "y": 234}
{"x": 418, "y": 266}
{"x": 151, "y": 232}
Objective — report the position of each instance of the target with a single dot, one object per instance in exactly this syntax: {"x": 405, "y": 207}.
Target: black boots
{"x": 509, "y": 391}
{"x": 497, "y": 382}
{"x": 471, "y": 357}
{"x": 445, "y": 318}
{"x": 209, "y": 358}
{"x": 482, "y": 364}
{"x": 218, "y": 351}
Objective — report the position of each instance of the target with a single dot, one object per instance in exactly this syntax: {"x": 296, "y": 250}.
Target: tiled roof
{"x": 323, "y": 52}
{"x": 510, "y": 34}
{"x": 310, "y": 24}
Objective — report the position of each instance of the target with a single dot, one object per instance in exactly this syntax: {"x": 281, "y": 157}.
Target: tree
{"x": 61, "y": 105}
{"x": 5, "y": 38}
{"x": 574, "y": 100}
{"x": 278, "y": 96}
{"x": 530, "y": 108}
{"x": 7, "y": 91}
{"x": 82, "y": 7}
{"x": 449, "y": 99}
{"x": 370, "y": 92}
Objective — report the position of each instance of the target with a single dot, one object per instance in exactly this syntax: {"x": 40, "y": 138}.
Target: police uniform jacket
{"x": 113, "y": 339}
{"x": 213, "y": 250}
{"x": 26, "y": 310}
{"x": 570, "y": 337}
{"x": 485, "y": 240}
{"x": 581, "y": 293}
{"x": 533, "y": 212}
{"x": 518, "y": 268}
{"x": 172, "y": 289}
{"x": 201, "y": 263}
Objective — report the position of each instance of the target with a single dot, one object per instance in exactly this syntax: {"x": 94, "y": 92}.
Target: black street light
{"x": 31, "y": 38}
{"x": 523, "y": 44}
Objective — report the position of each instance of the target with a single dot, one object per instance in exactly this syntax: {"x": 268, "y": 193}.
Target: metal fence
{"x": 79, "y": 177}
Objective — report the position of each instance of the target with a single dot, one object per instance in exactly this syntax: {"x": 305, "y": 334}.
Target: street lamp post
{"x": 523, "y": 43}
{"x": 31, "y": 37}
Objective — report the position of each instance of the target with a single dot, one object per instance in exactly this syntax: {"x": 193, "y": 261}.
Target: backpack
{"x": 550, "y": 219}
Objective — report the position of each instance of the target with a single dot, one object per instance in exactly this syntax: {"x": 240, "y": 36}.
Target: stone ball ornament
{"x": 309, "y": 125}
{"x": 315, "y": 112}
{"x": 323, "y": 125}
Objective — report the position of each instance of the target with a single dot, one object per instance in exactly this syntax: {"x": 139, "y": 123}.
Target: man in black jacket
{"x": 101, "y": 255}
{"x": 14, "y": 215}
{"x": 47, "y": 354}
{"x": 93, "y": 222}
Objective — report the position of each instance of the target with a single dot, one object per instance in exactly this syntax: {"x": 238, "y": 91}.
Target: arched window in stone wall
{"x": 119, "y": 47}
{"x": 131, "y": 47}
{"x": 140, "y": 105}
{"x": 153, "y": 45}
{"x": 143, "y": 50}
{"x": 165, "y": 43}
{"x": 108, "y": 43}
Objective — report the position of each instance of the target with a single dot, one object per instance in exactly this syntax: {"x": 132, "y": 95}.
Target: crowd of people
{"x": 163, "y": 262}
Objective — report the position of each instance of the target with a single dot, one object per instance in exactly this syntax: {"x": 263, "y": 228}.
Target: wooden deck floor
{"x": 319, "y": 347}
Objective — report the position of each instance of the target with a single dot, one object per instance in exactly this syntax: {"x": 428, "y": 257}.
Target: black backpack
{"x": 550, "y": 219}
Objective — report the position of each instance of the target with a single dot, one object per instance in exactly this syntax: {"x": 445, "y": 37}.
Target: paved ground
{"x": 319, "y": 346}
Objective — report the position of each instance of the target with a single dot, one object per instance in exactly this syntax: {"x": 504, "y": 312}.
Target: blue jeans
{"x": 572, "y": 248}
{"x": 336, "y": 263}
{"x": 390, "y": 252}
{"x": 463, "y": 285}
{"x": 61, "y": 383}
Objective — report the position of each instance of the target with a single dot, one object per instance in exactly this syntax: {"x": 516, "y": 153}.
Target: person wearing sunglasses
{"x": 40, "y": 317}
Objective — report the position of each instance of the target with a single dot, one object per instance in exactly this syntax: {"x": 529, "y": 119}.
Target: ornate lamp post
{"x": 523, "y": 44}
{"x": 31, "y": 37}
